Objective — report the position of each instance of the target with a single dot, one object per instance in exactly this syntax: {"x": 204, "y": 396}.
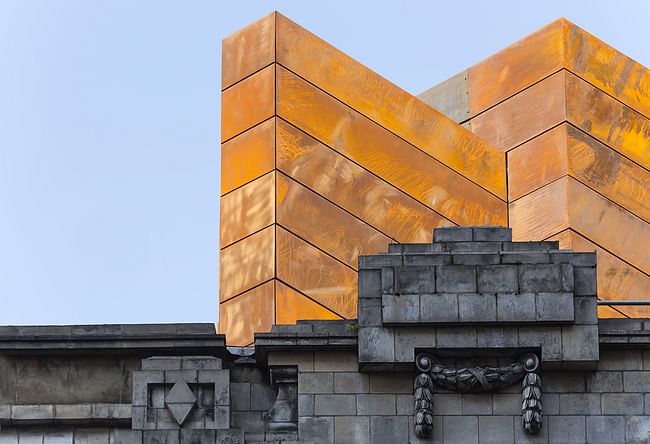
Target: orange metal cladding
{"x": 247, "y": 209}
{"x": 247, "y": 103}
{"x": 567, "y": 150}
{"x": 316, "y": 274}
{"x": 324, "y": 225}
{"x": 248, "y": 156}
{"x": 389, "y": 106}
{"x": 257, "y": 252}
{"x": 616, "y": 279}
{"x": 248, "y": 313}
{"x": 389, "y": 157}
{"x": 353, "y": 188}
{"x": 293, "y": 306}
{"x": 248, "y": 50}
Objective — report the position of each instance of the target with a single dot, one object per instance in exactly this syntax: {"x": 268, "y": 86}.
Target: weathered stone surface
{"x": 569, "y": 429}
{"x": 388, "y": 430}
{"x": 310, "y": 383}
{"x": 480, "y": 307}
{"x": 376, "y": 404}
{"x": 579, "y": 404}
{"x": 351, "y": 383}
{"x": 460, "y": 429}
{"x": 320, "y": 430}
{"x": 402, "y": 308}
{"x": 456, "y": 279}
{"x": 554, "y": 306}
{"x": 605, "y": 429}
{"x": 333, "y": 405}
{"x": 497, "y": 278}
{"x": 453, "y": 234}
{"x": 516, "y": 307}
{"x": 352, "y": 429}
{"x": 496, "y": 429}
{"x": 438, "y": 307}
{"x": 540, "y": 278}
{"x": 622, "y": 403}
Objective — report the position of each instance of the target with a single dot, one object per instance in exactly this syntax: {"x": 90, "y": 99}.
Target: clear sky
{"x": 109, "y": 130}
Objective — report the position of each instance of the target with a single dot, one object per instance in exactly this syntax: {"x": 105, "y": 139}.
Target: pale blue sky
{"x": 109, "y": 129}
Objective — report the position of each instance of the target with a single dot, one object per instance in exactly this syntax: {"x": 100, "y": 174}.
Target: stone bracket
{"x": 283, "y": 414}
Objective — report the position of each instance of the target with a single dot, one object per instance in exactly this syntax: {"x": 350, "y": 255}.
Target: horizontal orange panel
{"x": 541, "y": 213}
{"x": 524, "y": 115}
{"x": 247, "y": 156}
{"x": 608, "y": 120}
{"x": 247, "y": 209}
{"x": 516, "y": 67}
{"x": 291, "y": 306}
{"x": 608, "y": 69}
{"x": 247, "y": 50}
{"x": 241, "y": 317}
{"x": 248, "y": 103}
{"x": 386, "y": 155}
{"x": 537, "y": 162}
{"x": 390, "y": 106}
{"x": 323, "y": 224}
{"x": 616, "y": 279}
{"x": 257, "y": 253}
{"x": 316, "y": 274}
{"x": 354, "y": 188}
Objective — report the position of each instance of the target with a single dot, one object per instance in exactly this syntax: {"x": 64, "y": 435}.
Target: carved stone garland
{"x": 477, "y": 380}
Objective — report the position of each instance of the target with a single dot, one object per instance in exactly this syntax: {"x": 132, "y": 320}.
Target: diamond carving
{"x": 180, "y": 401}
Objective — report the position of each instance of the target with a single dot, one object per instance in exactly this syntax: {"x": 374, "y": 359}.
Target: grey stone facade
{"x": 473, "y": 302}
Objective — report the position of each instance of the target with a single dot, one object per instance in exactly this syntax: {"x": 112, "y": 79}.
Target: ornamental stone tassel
{"x": 531, "y": 396}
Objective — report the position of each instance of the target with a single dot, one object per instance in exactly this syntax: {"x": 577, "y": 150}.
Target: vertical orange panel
{"x": 324, "y": 225}
{"x": 248, "y": 50}
{"x": 247, "y": 263}
{"x": 248, "y": 313}
{"x": 316, "y": 274}
{"x": 354, "y": 188}
{"x": 292, "y": 306}
{"x": 247, "y": 209}
{"x": 389, "y": 106}
{"x": 247, "y": 156}
{"x": 524, "y": 115}
{"x": 541, "y": 213}
{"x": 516, "y": 67}
{"x": 537, "y": 162}
{"x": 248, "y": 103}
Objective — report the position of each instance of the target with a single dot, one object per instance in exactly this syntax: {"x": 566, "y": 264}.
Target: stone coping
{"x": 64, "y": 414}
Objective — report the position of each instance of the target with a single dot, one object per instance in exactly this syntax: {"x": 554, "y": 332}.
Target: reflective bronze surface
{"x": 293, "y": 306}
{"x": 248, "y": 313}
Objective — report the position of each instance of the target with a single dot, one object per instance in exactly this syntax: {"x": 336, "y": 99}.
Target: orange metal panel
{"x": 248, "y": 103}
{"x": 248, "y": 156}
{"x": 316, "y": 274}
{"x": 292, "y": 306}
{"x": 537, "y": 162}
{"x": 353, "y": 188}
{"x": 247, "y": 209}
{"x": 609, "y": 173}
{"x": 324, "y": 225}
{"x": 609, "y": 121}
{"x": 608, "y": 69}
{"x": 247, "y": 263}
{"x": 542, "y": 213}
{"x": 246, "y": 314}
{"x": 390, "y": 106}
{"x": 247, "y": 50}
{"x": 524, "y": 115}
{"x": 516, "y": 67}
{"x": 386, "y": 155}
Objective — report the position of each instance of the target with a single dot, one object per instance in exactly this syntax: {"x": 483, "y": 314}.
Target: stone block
{"x": 477, "y": 307}
{"x": 262, "y": 396}
{"x": 496, "y": 429}
{"x": 492, "y": 234}
{"x": 506, "y": 403}
{"x": 336, "y": 361}
{"x": 605, "y": 429}
{"x": 376, "y": 344}
{"x": 525, "y": 257}
{"x": 637, "y": 429}
{"x": 497, "y": 278}
{"x": 369, "y": 312}
{"x": 125, "y": 436}
{"x": 584, "y": 281}
{"x": 388, "y": 430}
{"x": 621, "y": 360}
{"x": 580, "y": 343}
{"x": 29, "y": 437}
{"x": 252, "y": 422}
{"x": 160, "y": 437}
{"x": 376, "y": 404}
{"x": 566, "y": 429}
{"x": 530, "y": 246}
{"x": 73, "y": 411}
{"x": 580, "y": 404}
{"x": 548, "y": 338}
{"x": 447, "y": 404}
{"x": 162, "y": 363}
{"x": 476, "y": 258}
{"x": 8, "y": 436}
{"x": 636, "y": 381}
{"x": 586, "y": 310}
{"x": 391, "y": 383}
{"x": 400, "y": 309}
{"x": 404, "y": 404}
{"x": 622, "y": 403}
{"x": 409, "y": 248}
{"x": 311, "y": 383}
{"x": 333, "y": 405}
{"x": 550, "y": 402}
{"x": 380, "y": 261}
{"x": 604, "y": 381}
{"x": 351, "y": 383}
{"x": 516, "y": 307}
{"x": 456, "y": 279}
{"x": 140, "y": 381}
{"x": 438, "y": 258}
{"x": 460, "y": 429}
{"x": 540, "y": 278}
{"x": 477, "y": 404}
{"x": 319, "y": 430}
{"x": 303, "y": 360}
{"x": 201, "y": 363}
{"x": 439, "y": 307}
{"x": 369, "y": 283}
{"x": 306, "y": 405}
{"x": 554, "y": 306}
{"x": 240, "y": 396}
{"x": 562, "y": 382}
{"x": 58, "y": 437}
{"x": 467, "y": 247}
{"x": 387, "y": 280}
{"x": 571, "y": 257}
{"x": 456, "y": 337}
{"x": 567, "y": 277}
{"x": 32, "y": 412}
{"x": 414, "y": 280}
{"x": 174, "y": 376}
{"x": 496, "y": 337}
{"x": 453, "y": 234}
{"x": 352, "y": 429}
{"x": 407, "y": 339}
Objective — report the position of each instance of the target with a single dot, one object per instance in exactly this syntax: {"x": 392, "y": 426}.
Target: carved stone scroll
{"x": 476, "y": 380}
{"x": 283, "y": 415}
